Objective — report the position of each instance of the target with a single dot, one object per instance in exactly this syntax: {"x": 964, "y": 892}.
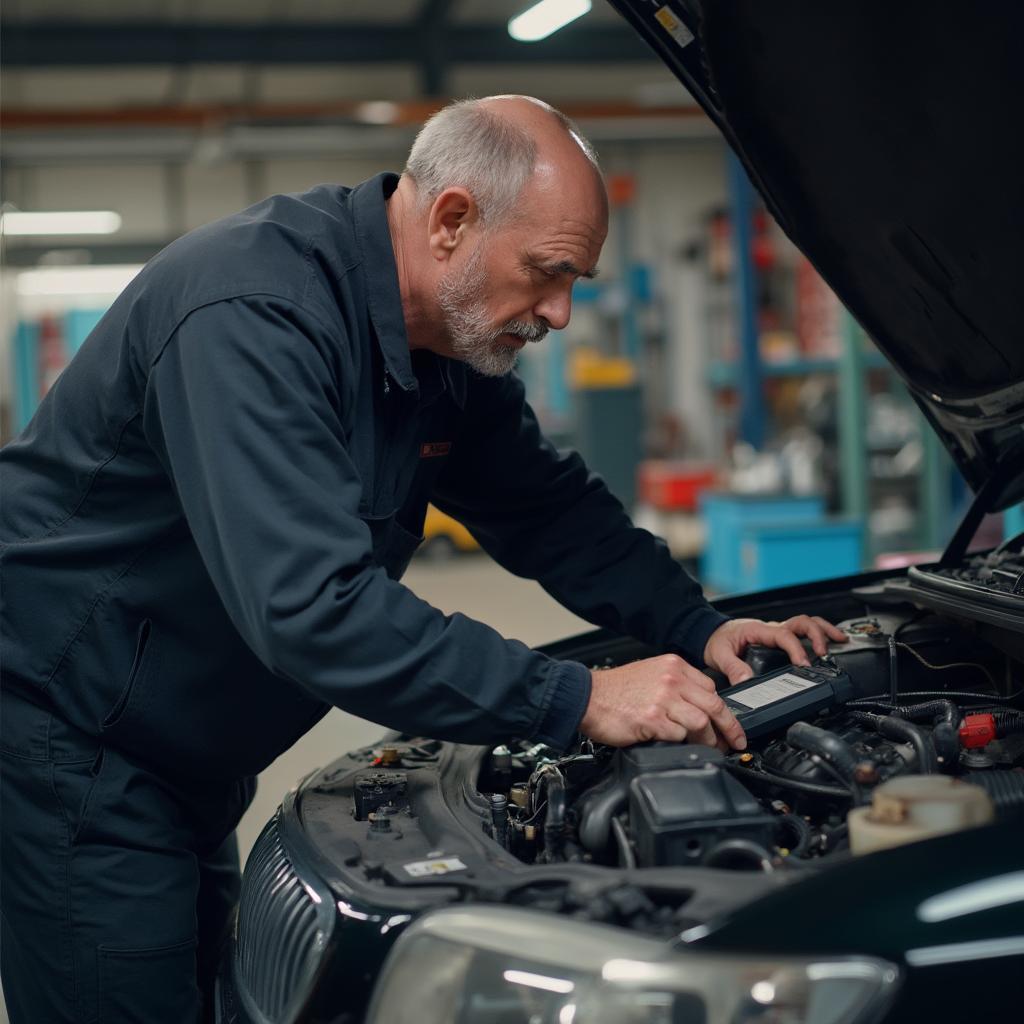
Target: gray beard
{"x": 472, "y": 337}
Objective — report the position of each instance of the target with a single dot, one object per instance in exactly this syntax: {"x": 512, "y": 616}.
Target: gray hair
{"x": 468, "y": 144}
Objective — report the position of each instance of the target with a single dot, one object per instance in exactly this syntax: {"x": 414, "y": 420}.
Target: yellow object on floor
{"x": 443, "y": 535}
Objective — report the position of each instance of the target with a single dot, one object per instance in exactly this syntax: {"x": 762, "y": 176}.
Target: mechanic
{"x": 205, "y": 523}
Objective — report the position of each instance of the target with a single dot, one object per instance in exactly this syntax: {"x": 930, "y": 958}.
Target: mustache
{"x": 528, "y": 332}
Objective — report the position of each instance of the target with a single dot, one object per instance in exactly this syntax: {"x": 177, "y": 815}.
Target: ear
{"x": 452, "y": 215}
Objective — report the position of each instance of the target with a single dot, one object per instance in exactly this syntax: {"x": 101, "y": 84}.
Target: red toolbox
{"x": 674, "y": 484}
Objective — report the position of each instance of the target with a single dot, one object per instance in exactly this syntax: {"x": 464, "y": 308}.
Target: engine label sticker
{"x": 673, "y": 26}
{"x": 771, "y": 690}
{"x": 442, "y": 866}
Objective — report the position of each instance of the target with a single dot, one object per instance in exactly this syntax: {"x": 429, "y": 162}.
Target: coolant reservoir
{"x": 915, "y": 807}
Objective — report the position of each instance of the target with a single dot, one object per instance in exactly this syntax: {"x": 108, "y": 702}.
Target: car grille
{"x": 282, "y": 930}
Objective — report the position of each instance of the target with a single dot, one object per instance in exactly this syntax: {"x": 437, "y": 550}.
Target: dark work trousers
{"x": 116, "y": 885}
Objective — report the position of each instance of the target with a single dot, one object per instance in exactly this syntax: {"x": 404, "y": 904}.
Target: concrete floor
{"x": 471, "y": 584}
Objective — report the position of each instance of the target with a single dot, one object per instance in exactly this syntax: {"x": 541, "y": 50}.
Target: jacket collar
{"x": 384, "y": 297}
{"x": 382, "y": 292}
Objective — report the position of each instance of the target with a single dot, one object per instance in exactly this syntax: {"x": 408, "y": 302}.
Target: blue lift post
{"x": 751, "y": 384}
{"x": 1013, "y": 521}
{"x": 26, "y": 373}
{"x": 853, "y": 456}
{"x": 629, "y": 321}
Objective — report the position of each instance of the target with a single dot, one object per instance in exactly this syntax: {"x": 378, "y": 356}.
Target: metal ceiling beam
{"x": 432, "y": 22}
{"x": 221, "y": 116}
{"x": 90, "y": 43}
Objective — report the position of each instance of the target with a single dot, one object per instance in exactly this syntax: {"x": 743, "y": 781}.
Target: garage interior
{"x": 709, "y": 374}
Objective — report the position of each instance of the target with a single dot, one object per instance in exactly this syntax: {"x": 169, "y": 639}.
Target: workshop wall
{"x": 677, "y": 181}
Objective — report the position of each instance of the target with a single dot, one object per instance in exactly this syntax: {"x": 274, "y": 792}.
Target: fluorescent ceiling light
{"x": 68, "y": 222}
{"x": 97, "y": 280}
{"x": 546, "y": 17}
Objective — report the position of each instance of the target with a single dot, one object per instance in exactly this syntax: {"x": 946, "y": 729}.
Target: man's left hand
{"x": 726, "y": 645}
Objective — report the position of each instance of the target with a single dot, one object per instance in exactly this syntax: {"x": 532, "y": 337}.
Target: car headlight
{"x": 509, "y": 966}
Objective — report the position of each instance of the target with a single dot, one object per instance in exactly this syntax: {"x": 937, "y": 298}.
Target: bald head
{"x": 500, "y": 210}
{"x": 494, "y": 147}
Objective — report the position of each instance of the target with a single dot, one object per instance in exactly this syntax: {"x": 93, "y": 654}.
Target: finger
{"x": 735, "y": 669}
{"x": 712, "y": 705}
{"x": 786, "y": 639}
{"x": 708, "y": 737}
{"x": 689, "y": 716}
{"x": 834, "y": 632}
{"x": 694, "y": 675}
{"x": 804, "y": 625}
{"x": 668, "y": 730}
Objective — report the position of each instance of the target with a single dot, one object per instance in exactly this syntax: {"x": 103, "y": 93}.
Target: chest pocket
{"x": 399, "y": 452}
{"x": 393, "y": 544}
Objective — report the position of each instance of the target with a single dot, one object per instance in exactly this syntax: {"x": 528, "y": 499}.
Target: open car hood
{"x": 885, "y": 140}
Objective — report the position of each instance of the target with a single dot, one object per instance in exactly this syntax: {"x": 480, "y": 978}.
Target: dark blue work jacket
{"x": 205, "y": 522}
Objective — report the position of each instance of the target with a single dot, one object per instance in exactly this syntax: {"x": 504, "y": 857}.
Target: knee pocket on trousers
{"x": 148, "y": 986}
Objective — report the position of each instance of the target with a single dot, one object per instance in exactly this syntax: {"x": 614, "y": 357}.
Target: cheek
{"x": 510, "y": 303}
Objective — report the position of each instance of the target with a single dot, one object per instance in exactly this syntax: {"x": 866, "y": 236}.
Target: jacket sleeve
{"x": 541, "y": 514}
{"x": 244, "y": 410}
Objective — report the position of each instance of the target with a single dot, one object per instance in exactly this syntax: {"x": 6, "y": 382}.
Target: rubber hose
{"x": 781, "y": 781}
{"x": 801, "y": 830}
{"x": 1008, "y": 722}
{"x": 929, "y": 710}
{"x": 827, "y": 745}
{"x": 883, "y": 698}
{"x": 597, "y": 815}
{"x": 900, "y": 729}
{"x": 945, "y": 738}
{"x": 836, "y": 838}
{"x": 554, "y": 818}
{"x": 932, "y": 709}
{"x": 1005, "y": 788}
{"x": 946, "y": 741}
{"x": 627, "y": 858}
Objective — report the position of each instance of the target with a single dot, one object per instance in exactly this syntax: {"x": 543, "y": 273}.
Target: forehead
{"x": 562, "y": 225}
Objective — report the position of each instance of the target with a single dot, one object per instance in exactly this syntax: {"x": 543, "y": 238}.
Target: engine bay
{"x": 921, "y": 695}
{"x": 918, "y": 716}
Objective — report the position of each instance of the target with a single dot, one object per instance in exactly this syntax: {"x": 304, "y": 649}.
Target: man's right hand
{"x": 661, "y": 698}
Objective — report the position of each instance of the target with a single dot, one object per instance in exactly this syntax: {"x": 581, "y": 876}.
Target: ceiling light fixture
{"x": 546, "y": 17}
{"x": 66, "y": 222}
{"x": 109, "y": 279}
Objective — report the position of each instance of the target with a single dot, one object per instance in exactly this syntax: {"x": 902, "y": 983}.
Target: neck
{"x": 403, "y": 219}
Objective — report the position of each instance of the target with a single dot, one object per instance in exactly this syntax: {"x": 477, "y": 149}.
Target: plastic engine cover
{"x": 680, "y": 816}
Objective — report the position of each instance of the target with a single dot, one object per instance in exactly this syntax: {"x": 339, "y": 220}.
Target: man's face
{"x": 516, "y": 283}
{"x": 489, "y": 348}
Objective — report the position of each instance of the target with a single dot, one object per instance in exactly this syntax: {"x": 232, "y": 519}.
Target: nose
{"x": 555, "y": 308}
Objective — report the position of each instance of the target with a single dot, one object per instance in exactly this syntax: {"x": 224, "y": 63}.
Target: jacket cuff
{"x": 692, "y": 634}
{"x": 570, "y": 694}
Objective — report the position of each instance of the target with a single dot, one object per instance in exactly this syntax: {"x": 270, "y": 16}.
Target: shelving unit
{"x": 859, "y": 371}
{"x": 722, "y": 375}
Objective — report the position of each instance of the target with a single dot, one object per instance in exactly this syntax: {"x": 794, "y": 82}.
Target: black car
{"x": 863, "y": 860}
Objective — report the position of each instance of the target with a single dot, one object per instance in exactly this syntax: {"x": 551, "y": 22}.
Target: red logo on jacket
{"x": 431, "y": 449}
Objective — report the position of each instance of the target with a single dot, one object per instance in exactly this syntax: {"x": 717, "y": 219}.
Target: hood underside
{"x": 885, "y": 140}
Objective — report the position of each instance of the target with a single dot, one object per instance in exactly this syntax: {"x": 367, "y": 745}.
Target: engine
{"x": 920, "y": 701}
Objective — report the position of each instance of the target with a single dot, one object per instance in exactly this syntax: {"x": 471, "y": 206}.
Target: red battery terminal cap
{"x": 977, "y": 731}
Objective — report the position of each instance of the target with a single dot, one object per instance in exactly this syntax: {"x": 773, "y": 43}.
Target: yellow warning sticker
{"x": 673, "y": 26}
{"x": 442, "y": 866}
